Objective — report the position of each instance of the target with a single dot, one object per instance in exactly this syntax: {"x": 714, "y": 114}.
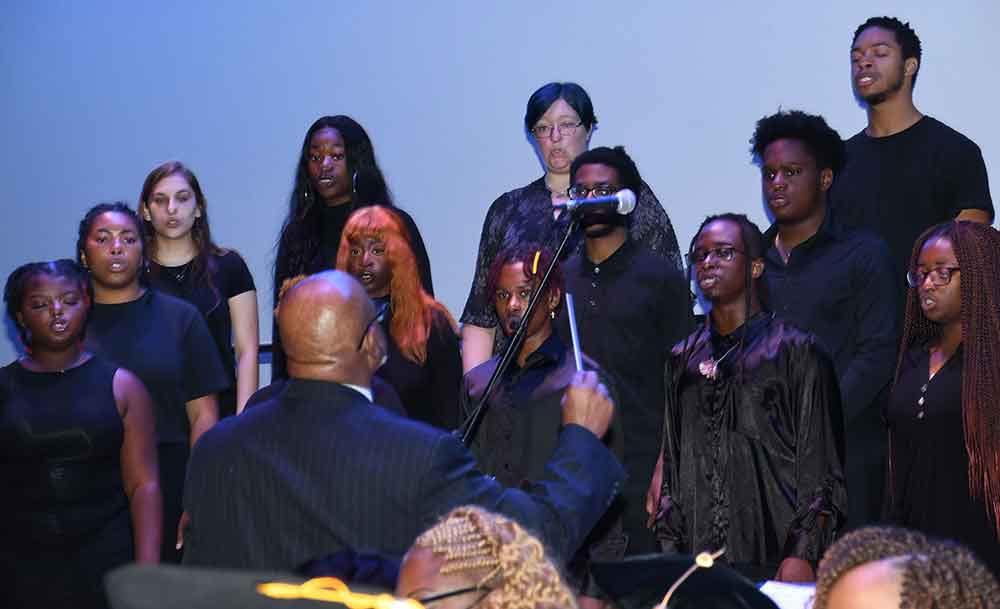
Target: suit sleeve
{"x": 581, "y": 480}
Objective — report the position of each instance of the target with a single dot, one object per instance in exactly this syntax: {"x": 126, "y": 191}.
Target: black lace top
{"x": 525, "y": 215}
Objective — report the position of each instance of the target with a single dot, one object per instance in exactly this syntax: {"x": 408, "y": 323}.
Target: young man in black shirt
{"x": 905, "y": 171}
{"x": 838, "y": 284}
{"x": 631, "y": 308}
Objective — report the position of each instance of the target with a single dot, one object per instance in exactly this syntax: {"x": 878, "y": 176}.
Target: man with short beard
{"x": 905, "y": 171}
{"x": 630, "y": 308}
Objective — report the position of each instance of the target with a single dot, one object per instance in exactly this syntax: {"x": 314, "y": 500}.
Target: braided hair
{"x": 513, "y": 563}
{"x": 17, "y": 283}
{"x": 977, "y": 249}
{"x": 938, "y": 574}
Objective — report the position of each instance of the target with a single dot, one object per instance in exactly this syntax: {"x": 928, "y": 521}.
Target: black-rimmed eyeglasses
{"x": 939, "y": 276}
{"x": 725, "y": 253}
{"x": 580, "y": 191}
{"x": 379, "y": 316}
{"x": 563, "y": 129}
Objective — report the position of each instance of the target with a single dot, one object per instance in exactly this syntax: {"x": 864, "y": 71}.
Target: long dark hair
{"x": 299, "y": 243}
{"x": 977, "y": 249}
{"x": 203, "y": 265}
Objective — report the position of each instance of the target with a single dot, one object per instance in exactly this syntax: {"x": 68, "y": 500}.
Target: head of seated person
{"x": 894, "y": 568}
{"x": 477, "y": 558}
{"x": 515, "y": 275}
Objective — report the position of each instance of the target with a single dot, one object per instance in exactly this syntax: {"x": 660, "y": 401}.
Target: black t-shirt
{"x": 902, "y": 184}
{"x": 165, "y": 342}
{"x": 230, "y": 277}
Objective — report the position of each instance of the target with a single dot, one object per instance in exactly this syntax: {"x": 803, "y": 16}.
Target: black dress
{"x": 431, "y": 392}
{"x": 930, "y": 465}
{"x": 65, "y": 519}
{"x": 230, "y": 277}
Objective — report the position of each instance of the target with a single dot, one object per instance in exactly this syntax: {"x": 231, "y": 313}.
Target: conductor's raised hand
{"x": 586, "y": 403}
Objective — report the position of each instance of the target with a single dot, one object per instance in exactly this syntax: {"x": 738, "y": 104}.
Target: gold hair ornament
{"x": 333, "y": 590}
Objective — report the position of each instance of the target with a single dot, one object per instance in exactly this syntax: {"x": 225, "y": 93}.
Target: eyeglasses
{"x": 725, "y": 253}
{"x": 579, "y": 191}
{"x": 379, "y": 316}
{"x": 564, "y": 129}
{"x": 456, "y": 592}
{"x": 939, "y": 276}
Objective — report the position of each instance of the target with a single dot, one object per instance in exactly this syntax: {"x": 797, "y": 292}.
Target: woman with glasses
{"x": 944, "y": 414}
{"x": 475, "y": 558}
{"x": 336, "y": 174}
{"x": 424, "y": 365}
{"x": 560, "y": 120}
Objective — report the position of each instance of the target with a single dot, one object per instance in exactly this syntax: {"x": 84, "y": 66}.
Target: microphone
{"x": 622, "y": 202}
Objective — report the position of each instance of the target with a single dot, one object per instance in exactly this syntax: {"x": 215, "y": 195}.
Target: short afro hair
{"x": 822, "y": 140}
{"x": 906, "y": 38}
{"x": 616, "y": 158}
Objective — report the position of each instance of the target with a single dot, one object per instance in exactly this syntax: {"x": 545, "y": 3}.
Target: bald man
{"x": 318, "y": 468}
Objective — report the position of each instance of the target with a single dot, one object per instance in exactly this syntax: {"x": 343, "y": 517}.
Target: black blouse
{"x": 525, "y": 215}
{"x": 930, "y": 479}
{"x": 755, "y": 456}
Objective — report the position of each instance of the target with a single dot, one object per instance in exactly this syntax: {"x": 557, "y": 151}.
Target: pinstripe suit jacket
{"x": 317, "y": 469}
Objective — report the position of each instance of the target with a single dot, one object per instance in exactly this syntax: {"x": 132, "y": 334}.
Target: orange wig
{"x": 412, "y": 308}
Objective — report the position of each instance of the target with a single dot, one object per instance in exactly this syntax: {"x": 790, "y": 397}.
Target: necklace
{"x": 709, "y": 368}
{"x": 179, "y": 276}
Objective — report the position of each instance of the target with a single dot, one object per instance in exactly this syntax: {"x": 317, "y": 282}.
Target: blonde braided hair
{"x": 517, "y": 572}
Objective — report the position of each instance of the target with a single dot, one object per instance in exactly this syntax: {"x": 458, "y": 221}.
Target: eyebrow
{"x": 877, "y": 44}
{"x": 122, "y": 231}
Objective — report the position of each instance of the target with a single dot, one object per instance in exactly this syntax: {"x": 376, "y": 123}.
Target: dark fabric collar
{"x": 615, "y": 263}
{"x": 552, "y": 351}
{"x": 829, "y": 230}
{"x": 757, "y": 325}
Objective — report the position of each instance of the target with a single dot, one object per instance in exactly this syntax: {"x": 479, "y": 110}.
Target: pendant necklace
{"x": 709, "y": 368}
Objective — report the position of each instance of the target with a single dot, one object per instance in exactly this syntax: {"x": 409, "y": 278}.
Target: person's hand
{"x": 653, "y": 494}
{"x": 181, "y": 525}
{"x": 795, "y": 570}
{"x": 586, "y": 403}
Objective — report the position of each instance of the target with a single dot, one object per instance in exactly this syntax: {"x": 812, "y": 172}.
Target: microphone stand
{"x": 470, "y": 426}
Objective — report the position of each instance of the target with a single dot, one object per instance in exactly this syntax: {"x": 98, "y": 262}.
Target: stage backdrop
{"x": 95, "y": 94}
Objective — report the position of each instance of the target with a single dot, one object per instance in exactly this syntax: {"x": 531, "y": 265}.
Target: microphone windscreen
{"x": 626, "y": 201}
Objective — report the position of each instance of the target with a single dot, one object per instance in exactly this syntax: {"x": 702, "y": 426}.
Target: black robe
{"x": 753, "y": 460}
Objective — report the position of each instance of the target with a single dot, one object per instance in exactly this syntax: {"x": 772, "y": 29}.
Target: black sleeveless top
{"x": 60, "y": 442}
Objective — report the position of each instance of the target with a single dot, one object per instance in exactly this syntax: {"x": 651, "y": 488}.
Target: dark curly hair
{"x": 612, "y": 157}
{"x": 17, "y": 281}
{"x": 938, "y": 574}
{"x": 823, "y": 141}
{"x": 906, "y": 38}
